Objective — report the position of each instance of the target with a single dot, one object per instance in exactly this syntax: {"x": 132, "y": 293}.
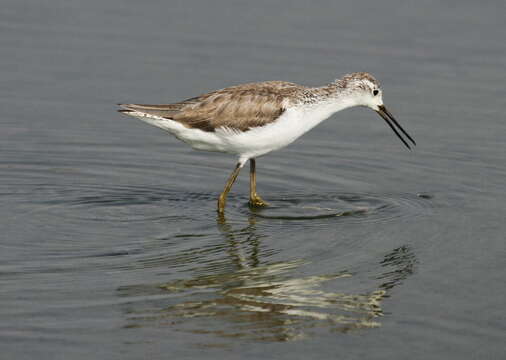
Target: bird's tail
{"x": 162, "y": 111}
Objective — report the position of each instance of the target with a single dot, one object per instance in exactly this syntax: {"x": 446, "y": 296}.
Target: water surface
{"x": 110, "y": 244}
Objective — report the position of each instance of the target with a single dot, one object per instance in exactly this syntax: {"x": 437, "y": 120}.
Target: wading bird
{"x": 251, "y": 120}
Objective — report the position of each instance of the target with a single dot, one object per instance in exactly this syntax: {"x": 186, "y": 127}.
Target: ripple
{"x": 107, "y": 226}
{"x": 124, "y": 227}
{"x": 114, "y": 203}
{"x": 351, "y": 207}
{"x": 121, "y": 203}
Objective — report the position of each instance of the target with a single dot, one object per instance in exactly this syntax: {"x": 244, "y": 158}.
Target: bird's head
{"x": 365, "y": 90}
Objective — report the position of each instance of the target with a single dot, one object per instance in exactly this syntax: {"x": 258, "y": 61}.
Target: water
{"x": 110, "y": 244}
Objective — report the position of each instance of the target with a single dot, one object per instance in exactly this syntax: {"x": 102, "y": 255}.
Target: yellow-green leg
{"x": 254, "y": 199}
{"x": 223, "y": 196}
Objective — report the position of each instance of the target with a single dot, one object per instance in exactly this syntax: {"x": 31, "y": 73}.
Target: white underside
{"x": 255, "y": 142}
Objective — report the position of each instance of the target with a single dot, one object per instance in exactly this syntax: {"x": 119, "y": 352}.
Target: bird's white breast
{"x": 292, "y": 124}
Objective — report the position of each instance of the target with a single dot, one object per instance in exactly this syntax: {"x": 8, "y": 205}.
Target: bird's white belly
{"x": 255, "y": 142}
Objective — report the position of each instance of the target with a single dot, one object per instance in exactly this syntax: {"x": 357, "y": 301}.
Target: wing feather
{"x": 239, "y": 107}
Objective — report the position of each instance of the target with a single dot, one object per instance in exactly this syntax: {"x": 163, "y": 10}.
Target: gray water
{"x": 110, "y": 245}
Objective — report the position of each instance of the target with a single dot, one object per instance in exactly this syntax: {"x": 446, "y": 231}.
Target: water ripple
{"x": 150, "y": 203}
{"x": 349, "y": 207}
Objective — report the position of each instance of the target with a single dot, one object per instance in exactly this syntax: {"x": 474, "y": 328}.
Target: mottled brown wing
{"x": 239, "y": 107}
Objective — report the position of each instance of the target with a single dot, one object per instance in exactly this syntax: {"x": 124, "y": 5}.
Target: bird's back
{"x": 239, "y": 107}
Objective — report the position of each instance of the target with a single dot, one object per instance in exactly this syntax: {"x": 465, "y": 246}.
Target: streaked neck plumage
{"x": 327, "y": 99}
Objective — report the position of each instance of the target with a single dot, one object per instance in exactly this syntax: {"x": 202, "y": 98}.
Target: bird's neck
{"x": 319, "y": 104}
{"x": 332, "y": 97}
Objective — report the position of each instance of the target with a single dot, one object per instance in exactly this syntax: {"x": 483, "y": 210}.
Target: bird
{"x": 252, "y": 119}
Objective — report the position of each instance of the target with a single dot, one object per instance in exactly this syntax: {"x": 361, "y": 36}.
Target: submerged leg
{"x": 223, "y": 196}
{"x": 254, "y": 199}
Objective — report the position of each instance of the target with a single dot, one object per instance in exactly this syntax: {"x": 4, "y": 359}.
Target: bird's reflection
{"x": 269, "y": 301}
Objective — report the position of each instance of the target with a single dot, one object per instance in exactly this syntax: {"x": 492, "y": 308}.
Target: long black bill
{"x": 390, "y": 120}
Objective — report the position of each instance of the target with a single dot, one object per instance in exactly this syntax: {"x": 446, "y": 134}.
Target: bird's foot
{"x": 256, "y": 202}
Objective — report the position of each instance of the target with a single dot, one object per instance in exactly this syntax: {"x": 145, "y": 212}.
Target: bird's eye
{"x": 375, "y": 92}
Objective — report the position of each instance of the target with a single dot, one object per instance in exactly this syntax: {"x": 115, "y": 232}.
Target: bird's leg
{"x": 254, "y": 199}
{"x": 223, "y": 196}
